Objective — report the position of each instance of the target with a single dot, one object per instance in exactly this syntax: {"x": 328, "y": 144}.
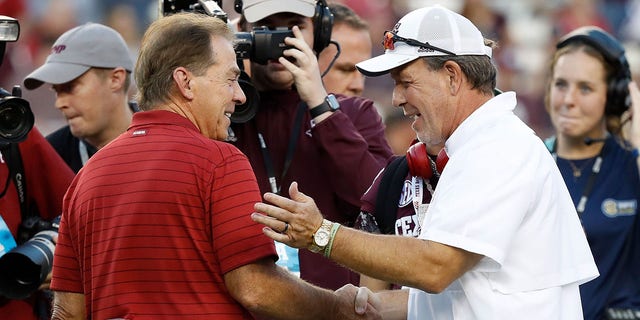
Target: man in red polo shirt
{"x": 157, "y": 224}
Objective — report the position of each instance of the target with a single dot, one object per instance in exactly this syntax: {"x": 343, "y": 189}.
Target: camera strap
{"x": 12, "y": 157}
{"x": 293, "y": 141}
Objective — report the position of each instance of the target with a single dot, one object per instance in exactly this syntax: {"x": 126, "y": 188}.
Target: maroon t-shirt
{"x": 154, "y": 220}
{"x": 333, "y": 162}
{"x": 406, "y": 216}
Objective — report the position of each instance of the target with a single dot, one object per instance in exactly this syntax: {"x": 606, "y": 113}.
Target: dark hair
{"x": 479, "y": 70}
{"x": 344, "y": 15}
{"x": 181, "y": 39}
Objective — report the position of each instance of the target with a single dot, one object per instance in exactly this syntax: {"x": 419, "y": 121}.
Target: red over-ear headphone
{"x": 421, "y": 165}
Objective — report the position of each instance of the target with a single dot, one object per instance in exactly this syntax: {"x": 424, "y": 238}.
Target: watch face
{"x": 321, "y": 238}
{"x": 333, "y": 102}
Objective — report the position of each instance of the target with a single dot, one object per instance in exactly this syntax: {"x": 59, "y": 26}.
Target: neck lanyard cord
{"x": 293, "y": 141}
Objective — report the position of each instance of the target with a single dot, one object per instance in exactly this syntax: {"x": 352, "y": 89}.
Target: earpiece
{"x": 421, "y": 165}
{"x": 322, "y": 26}
{"x": 618, "y": 100}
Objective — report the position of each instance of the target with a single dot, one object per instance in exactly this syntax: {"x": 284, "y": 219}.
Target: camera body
{"x": 16, "y": 118}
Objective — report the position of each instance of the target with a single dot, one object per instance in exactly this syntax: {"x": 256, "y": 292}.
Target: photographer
{"x": 34, "y": 179}
{"x": 332, "y": 147}
{"x": 46, "y": 178}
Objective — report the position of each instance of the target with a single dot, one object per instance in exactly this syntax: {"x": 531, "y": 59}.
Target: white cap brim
{"x": 263, "y": 9}
{"x": 382, "y": 64}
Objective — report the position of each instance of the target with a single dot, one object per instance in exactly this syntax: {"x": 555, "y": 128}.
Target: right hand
{"x": 366, "y": 304}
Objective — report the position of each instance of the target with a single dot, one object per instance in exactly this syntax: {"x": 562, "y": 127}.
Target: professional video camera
{"x": 26, "y": 266}
{"x": 260, "y": 45}
{"x": 16, "y": 118}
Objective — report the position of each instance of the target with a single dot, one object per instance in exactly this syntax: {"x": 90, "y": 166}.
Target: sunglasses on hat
{"x": 390, "y": 38}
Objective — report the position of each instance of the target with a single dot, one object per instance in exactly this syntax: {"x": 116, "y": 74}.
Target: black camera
{"x": 16, "y": 118}
{"x": 25, "y": 267}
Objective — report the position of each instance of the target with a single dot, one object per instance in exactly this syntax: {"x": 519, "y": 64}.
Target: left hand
{"x": 305, "y": 70}
{"x": 47, "y": 281}
{"x": 300, "y": 213}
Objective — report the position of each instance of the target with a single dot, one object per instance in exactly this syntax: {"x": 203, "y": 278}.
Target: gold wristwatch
{"x": 321, "y": 237}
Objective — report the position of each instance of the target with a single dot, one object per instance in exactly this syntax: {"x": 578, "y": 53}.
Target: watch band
{"x": 322, "y": 108}
{"x": 330, "y": 103}
{"x": 324, "y": 230}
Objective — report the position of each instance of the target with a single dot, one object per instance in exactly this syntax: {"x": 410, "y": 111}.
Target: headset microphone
{"x": 589, "y": 141}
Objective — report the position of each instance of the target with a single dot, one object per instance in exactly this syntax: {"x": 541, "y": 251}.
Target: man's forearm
{"x": 68, "y": 306}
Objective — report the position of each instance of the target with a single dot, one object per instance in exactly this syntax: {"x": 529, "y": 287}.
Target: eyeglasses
{"x": 390, "y": 38}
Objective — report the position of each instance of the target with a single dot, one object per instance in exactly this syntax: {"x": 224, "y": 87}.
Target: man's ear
{"x": 454, "y": 72}
{"x": 182, "y": 78}
{"x": 118, "y": 79}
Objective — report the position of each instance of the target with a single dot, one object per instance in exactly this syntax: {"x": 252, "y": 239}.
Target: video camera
{"x": 260, "y": 45}
{"x": 16, "y": 118}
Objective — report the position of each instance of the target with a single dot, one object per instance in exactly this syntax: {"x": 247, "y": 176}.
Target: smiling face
{"x": 577, "y": 95}
{"x": 423, "y": 95}
{"x": 217, "y": 91}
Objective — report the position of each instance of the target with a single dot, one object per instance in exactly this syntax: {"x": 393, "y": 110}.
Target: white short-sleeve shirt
{"x": 502, "y": 196}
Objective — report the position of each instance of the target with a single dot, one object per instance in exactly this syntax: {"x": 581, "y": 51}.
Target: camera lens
{"x": 23, "y": 269}
{"x": 16, "y": 119}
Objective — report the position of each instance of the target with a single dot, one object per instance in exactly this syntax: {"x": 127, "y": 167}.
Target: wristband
{"x": 635, "y": 152}
{"x": 334, "y": 229}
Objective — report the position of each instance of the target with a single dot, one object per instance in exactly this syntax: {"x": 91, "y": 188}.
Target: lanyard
{"x": 293, "y": 141}
{"x": 595, "y": 169}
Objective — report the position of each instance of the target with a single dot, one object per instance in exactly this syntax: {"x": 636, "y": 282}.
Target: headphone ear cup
{"x": 618, "y": 99}
{"x": 418, "y": 161}
{"x": 441, "y": 160}
{"x": 322, "y": 26}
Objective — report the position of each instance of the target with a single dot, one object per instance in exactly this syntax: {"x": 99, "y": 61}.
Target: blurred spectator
{"x": 352, "y": 34}
{"x": 398, "y": 131}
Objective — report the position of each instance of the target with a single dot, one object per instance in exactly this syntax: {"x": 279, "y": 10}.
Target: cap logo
{"x": 58, "y": 49}
{"x": 396, "y": 28}
{"x": 424, "y": 49}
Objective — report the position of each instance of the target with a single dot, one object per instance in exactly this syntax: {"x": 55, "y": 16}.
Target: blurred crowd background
{"x": 526, "y": 31}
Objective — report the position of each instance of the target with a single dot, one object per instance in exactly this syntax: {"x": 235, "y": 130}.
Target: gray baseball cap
{"x": 79, "y": 49}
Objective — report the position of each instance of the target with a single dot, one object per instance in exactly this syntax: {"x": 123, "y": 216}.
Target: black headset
{"x": 618, "y": 100}
{"x": 322, "y": 24}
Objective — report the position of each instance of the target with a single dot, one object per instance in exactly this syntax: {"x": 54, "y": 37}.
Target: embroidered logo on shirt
{"x": 406, "y": 195}
{"x": 613, "y": 207}
{"x": 141, "y": 132}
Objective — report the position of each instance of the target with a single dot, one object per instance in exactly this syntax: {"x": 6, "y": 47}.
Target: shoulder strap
{"x": 389, "y": 194}
{"x": 17, "y": 172}
{"x": 13, "y": 159}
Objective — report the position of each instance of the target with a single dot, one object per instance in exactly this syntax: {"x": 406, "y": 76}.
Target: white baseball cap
{"x": 254, "y": 10}
{"x": 429, "y": 31}
{"x": 78, "y": 50}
